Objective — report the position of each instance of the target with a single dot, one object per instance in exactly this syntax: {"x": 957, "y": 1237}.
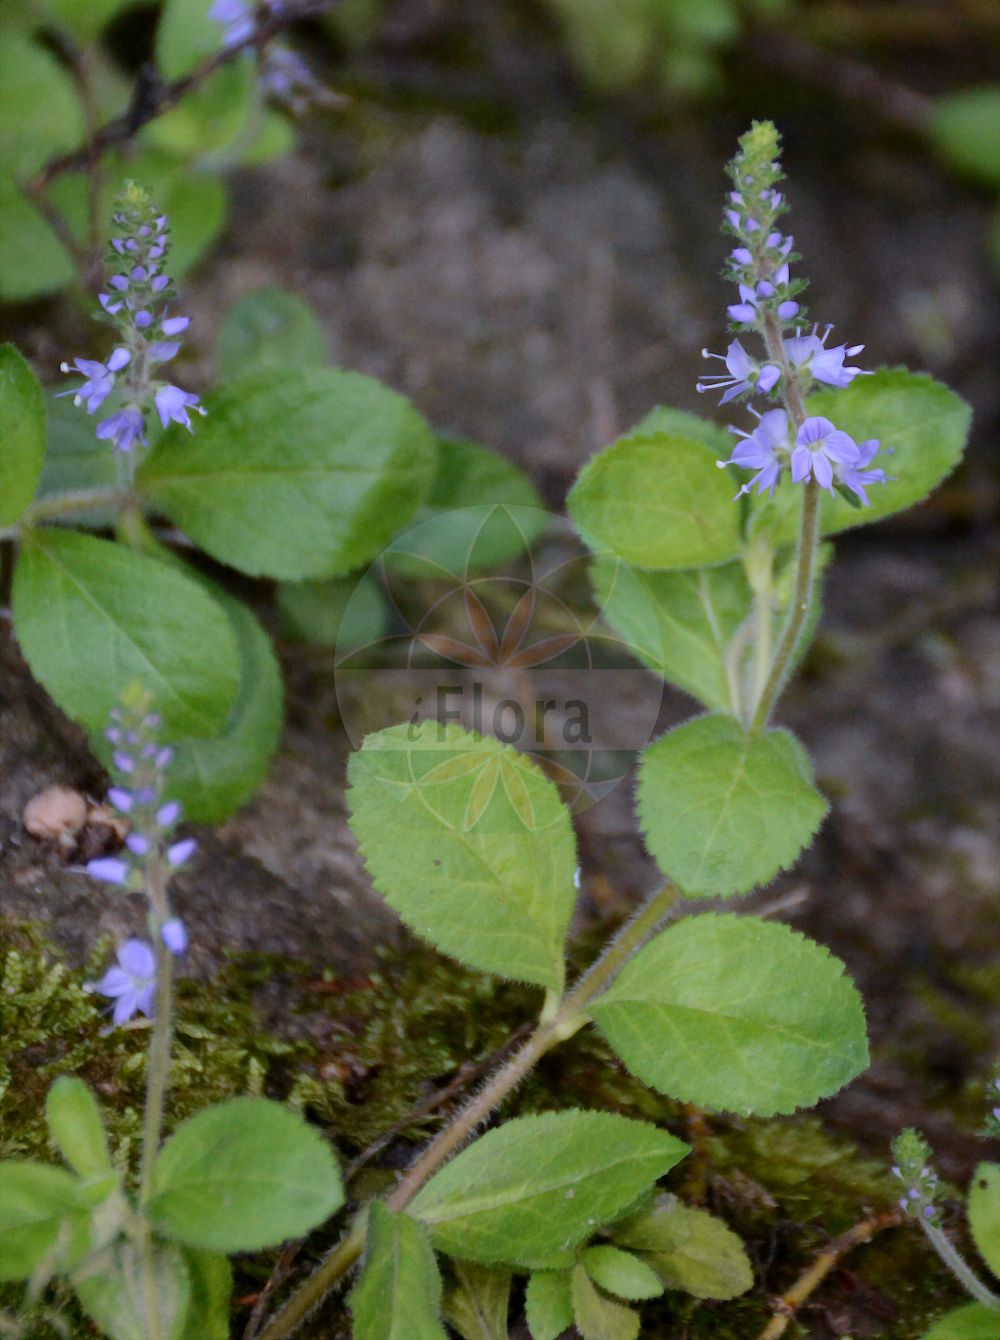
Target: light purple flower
{"x": 748, "y": 308}
{"x": 99, "y": 379}
{"x": 236, "y": 18}
{"x": 857, "y": 476}
{"x": 819, "y": 448}
{"x": 168, "y": 814}
{"x": 174, "y": 325}
{"x": 181, "y": 851}
{"x": 133, "y": 983}
{"x": 121, "y": 799}
{"x": 138, "y": 844}
{"x": 825, "y": 365}
{"x": 764, "y": 450}
{"x": 110, "y": 869}
{"x": 172, "y": 405}
{"x": 125, "y": 428}
{"x": 745, "y": 374}
{"x": 174, "y": 935}
{"x": 163, "y": 351}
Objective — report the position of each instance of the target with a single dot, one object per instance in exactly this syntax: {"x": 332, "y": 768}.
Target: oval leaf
{"x": 688, "y": 1249}
{"x": 213, "y": 778}
{"x": 22, "y": 434}
{"x": 481, "y": 511}
{"x": 679, "y": 624}
{"x": 919, "y": 420}
{"x": 211, "y": 1279}
{"x": 658, "y": 501}
{"x": 598, "y": 1317}
{"x": 269, "y": 328}
{"x": 38, "y": 1205}
{"x": 92, "y": 617}
{"x": 477, "y": 1301}
{"x": 723, "y": 811}
{"x": 621, "y": 1273}
{"x": 984, "y": 1213}
{"x": 398, "y": 1296}
{"x": 736, "y": 1014}
{"x": 131, "y": 1299}
{"x": 972, "y": 1322}
{"x": 242, "y": 1175}
{"x": 527, "y": 1192}
{"x": 76, "y": 1128}
{"x": 294, "y": 474}
{"x": 471, "y": 845}
{"x": 548, "y": 1303}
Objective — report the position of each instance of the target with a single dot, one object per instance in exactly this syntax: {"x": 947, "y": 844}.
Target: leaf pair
{"x": 523, "y": 1195}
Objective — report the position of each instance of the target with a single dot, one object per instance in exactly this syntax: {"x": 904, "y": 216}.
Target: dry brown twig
{"x": 151, "y": 97}
{"x": 813, "y": 1276}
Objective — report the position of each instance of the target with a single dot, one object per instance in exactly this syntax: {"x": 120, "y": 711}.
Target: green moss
{"x": 360, "y": 1057}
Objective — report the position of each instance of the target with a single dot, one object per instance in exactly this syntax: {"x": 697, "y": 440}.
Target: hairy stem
{"x": 568, "y": 1019}
{"x": 799, "y": 613}
{"x": 158, "y": 1065}
{"x": 959, "y": 1267}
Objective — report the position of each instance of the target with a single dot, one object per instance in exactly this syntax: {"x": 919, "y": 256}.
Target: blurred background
{"x": 510, "y": 212}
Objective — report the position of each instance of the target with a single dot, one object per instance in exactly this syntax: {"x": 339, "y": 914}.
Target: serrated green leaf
{"x": 527, "y": 1192}
{"x": 76, "y": 1128}
{"x": 722, "y": 810}
{"x": 22, "y": 434}
{"x": 736, "y": 1014}
{"x": 663, "y": 419}
{"x": 677, "y": 623}
{"x": 922, "y": 422}
{"x": 481, "y": 512}
{"x": 621, "y": 1273}
{"x": 472, "y": 846}
{"x": 212, "y": 778}
{"x": 242, "y": 1175}
{"x": 398, "y": 1296}
{"x": 115, "y": 1290}
{"x": 39, "y": 1207}
{"x": 972, "y": 1322}
{"x": 344, "y": 612}
{"x": 688, "y": 1249}
{"x": 984, "y": 1213}
{"x": 92, "y": 617}
{"x": 477, "y": 1301}
{"x": 266, "y": 329}
{"x": 598, "y": 1317}
{"x": 40, "y": 113}
{"x": 76, "y": 460}
{"x": 548, "y": 1303}
{"x": 965, "y": 128}
{"x": 657, "y": 501}
{"x": 294, "y": 474}
{"x": 211, "y": 1279}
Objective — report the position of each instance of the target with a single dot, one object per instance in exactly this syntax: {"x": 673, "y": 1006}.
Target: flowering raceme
{"x": 807, "y": 447}
{"x": 139, "y": 764}
{"x": 136, "y": 304}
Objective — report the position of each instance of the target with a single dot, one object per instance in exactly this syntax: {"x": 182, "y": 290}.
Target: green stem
{"x": 799, "y": 613}
{"x": 958, "y": 1266}
{"x": 61, "y": 504}
{"x": 568, "y": 1019}
{"x": 158, "y": 1065}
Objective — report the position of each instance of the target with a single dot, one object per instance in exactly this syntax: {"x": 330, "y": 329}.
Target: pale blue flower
{"x": 819, "y": 448}
{"x": 132, "y": 985}
{"x": 765, "y": 450}
{"x": 743, "y": 374}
